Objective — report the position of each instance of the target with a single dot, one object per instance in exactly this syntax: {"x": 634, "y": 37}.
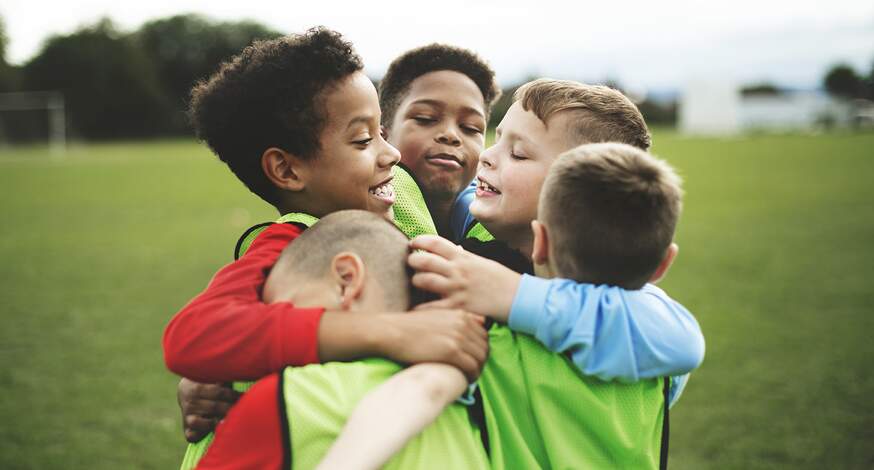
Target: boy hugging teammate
{"x": 229, "y": 333}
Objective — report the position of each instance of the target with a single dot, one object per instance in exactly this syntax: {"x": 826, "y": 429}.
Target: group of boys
{"x": 564, "y": 227}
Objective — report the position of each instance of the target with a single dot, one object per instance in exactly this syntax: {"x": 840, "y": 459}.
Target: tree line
{"x": 124, "y": 84}
{"x": 119, "y": 85}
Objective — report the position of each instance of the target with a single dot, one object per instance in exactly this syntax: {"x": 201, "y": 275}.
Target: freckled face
{"x": 439, "y": 129}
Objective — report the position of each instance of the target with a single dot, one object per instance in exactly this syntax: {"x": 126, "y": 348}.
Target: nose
{"x": 487, "y": 158}
{"x": 448, "y": 135}
{"x": 390, "y": 156}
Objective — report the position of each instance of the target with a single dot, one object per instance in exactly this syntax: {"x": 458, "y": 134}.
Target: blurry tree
{"x": 502, "y": 105}
{"x": 661, "y": 113}
{"x": 843, "y": 81}
{"x": 869, "y": 82}
{"x": 8, "y": 73}
{"x": 109, "y": 86}
{"x": 759, "y": 89}
{"x": 185, "y": 48}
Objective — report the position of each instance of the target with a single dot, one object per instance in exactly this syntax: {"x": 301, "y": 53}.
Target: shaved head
{"x": 382, "y": 247}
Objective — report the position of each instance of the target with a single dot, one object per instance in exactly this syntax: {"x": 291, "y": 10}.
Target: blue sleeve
{"x": 609, "y": 332}
{"x": 459, "y": 216}
{"x": 678, "y": 384}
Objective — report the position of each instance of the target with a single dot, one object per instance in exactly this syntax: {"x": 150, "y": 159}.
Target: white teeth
{"x": 384, "y": 190}
{"x": 487, "y": 187}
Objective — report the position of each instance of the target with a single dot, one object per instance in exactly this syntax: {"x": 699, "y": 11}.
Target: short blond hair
{"x": 611, "y": 211}
{"x": 604, "y": 114}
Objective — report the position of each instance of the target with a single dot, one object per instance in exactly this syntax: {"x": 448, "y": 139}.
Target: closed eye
{"x": 363, "y": 142}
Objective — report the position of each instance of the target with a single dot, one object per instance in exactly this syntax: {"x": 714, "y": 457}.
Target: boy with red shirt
{"x": 299, "y": 123}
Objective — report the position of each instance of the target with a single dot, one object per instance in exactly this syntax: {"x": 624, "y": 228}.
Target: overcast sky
{"x": 645, "y": 45}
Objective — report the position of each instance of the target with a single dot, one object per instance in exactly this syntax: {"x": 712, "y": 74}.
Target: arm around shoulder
{"x": 610, "y": 333}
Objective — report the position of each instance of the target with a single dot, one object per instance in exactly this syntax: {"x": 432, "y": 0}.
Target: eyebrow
{"x": 365, "y": 118}
{"x": 516, "y": 136}
{"x": 441, "y": 104}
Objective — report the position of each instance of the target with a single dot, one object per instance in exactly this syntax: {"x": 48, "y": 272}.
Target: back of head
{"x": 382, "y": 247}
{"x": 602, "y": 114}
{"x": 268, "y": 96}
{"x": 433, "y": 58}
{"x": 611, "y": 211}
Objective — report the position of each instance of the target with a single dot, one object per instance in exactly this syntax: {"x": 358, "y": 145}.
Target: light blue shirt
{"x": 609, "y": 332}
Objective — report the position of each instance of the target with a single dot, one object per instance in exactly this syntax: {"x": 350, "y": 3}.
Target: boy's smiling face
{"x": 352, "y": 169}
{"x": 439, "y": 129}
{"x": 511, "y": 172}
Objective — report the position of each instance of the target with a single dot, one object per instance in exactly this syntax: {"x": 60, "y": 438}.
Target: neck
{"x": 524, "y": 244}
{"x": 440, "y": 206}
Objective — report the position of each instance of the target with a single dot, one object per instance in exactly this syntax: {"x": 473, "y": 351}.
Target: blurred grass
{"x": 103, "y": 246}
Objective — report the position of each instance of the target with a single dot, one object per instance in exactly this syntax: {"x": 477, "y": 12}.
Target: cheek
{"x": 410, "y": 146}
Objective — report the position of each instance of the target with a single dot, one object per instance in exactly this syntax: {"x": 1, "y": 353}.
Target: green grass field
{"x": 100, "y": 248}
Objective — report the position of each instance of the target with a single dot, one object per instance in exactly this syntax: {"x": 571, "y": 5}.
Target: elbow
{"x": 438, "y": 384}
{"x": 694, "y": 354}
{"x": 174, "y": 354}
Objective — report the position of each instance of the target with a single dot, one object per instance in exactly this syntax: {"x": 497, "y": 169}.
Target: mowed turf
{"x": 101, "y": 247}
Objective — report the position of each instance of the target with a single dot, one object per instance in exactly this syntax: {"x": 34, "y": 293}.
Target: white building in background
{"x": 719, "y": 108}
{"x": 709, "y": 107}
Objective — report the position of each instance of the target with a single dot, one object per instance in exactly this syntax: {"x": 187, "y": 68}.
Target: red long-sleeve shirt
{"x": 254, "y": 434}
{"x": 227, "y": 333}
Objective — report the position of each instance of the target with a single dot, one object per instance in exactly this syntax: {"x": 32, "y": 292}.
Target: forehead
{"x": 352, "y": 97}
{"x": 445, "y": 88}
{"x": 552, "y": 137}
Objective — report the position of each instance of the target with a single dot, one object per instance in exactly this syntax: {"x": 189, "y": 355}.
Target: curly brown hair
{"x": 433, "y": 58}
{"x": 269, "y": 96}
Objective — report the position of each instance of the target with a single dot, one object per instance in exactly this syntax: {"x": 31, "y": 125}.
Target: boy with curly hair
{"x": 299, "y": 124}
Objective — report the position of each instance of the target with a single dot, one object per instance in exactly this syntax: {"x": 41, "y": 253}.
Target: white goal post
{"x": 52, "y": 102}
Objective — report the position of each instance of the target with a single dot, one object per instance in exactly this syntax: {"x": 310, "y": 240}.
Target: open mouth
{"x": 485, "y": 188}
{"x": 384, "y": 191}
{"x": 445, "y": 160}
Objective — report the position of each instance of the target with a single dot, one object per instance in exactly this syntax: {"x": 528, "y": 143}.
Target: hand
{"x": 203, "y": 406}
{"x": 463, "y": 280}
{"x": 451, "y": 337}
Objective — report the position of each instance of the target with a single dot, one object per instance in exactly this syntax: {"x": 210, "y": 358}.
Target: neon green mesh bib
{"x": 320, "y": 398}
{"x": 542, "y": 413}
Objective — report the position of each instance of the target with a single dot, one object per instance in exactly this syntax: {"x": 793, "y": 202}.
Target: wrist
{"x": 506, "y": 293}
{"x": 382, "y": 334}
{"x": 347, "y": 337}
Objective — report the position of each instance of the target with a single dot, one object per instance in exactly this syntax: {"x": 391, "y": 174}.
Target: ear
{"x": 670, "y": 255}
{"x": 540, "y": 250}
{"x": 347, "y": 271}
{"x": 285, "y": 170}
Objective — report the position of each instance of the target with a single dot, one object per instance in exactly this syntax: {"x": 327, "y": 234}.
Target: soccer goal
{"x": 52, "y": 102}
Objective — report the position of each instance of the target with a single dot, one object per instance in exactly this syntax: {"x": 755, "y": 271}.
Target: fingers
{"x": 437, "y": 245}
{"x": 217, "y": 392}
{"x": 197, "y": 426}
{"x": 432, "y": 282}
{"x": 424, "y": 261}
{"x": 469, "y": 366}
{"x": 208, "y": 408}
{"x": 440, "y": 304}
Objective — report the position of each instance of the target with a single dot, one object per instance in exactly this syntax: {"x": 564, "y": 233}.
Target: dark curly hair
{"x": 269, "y": 96}
{"x": 433, "y": 58}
